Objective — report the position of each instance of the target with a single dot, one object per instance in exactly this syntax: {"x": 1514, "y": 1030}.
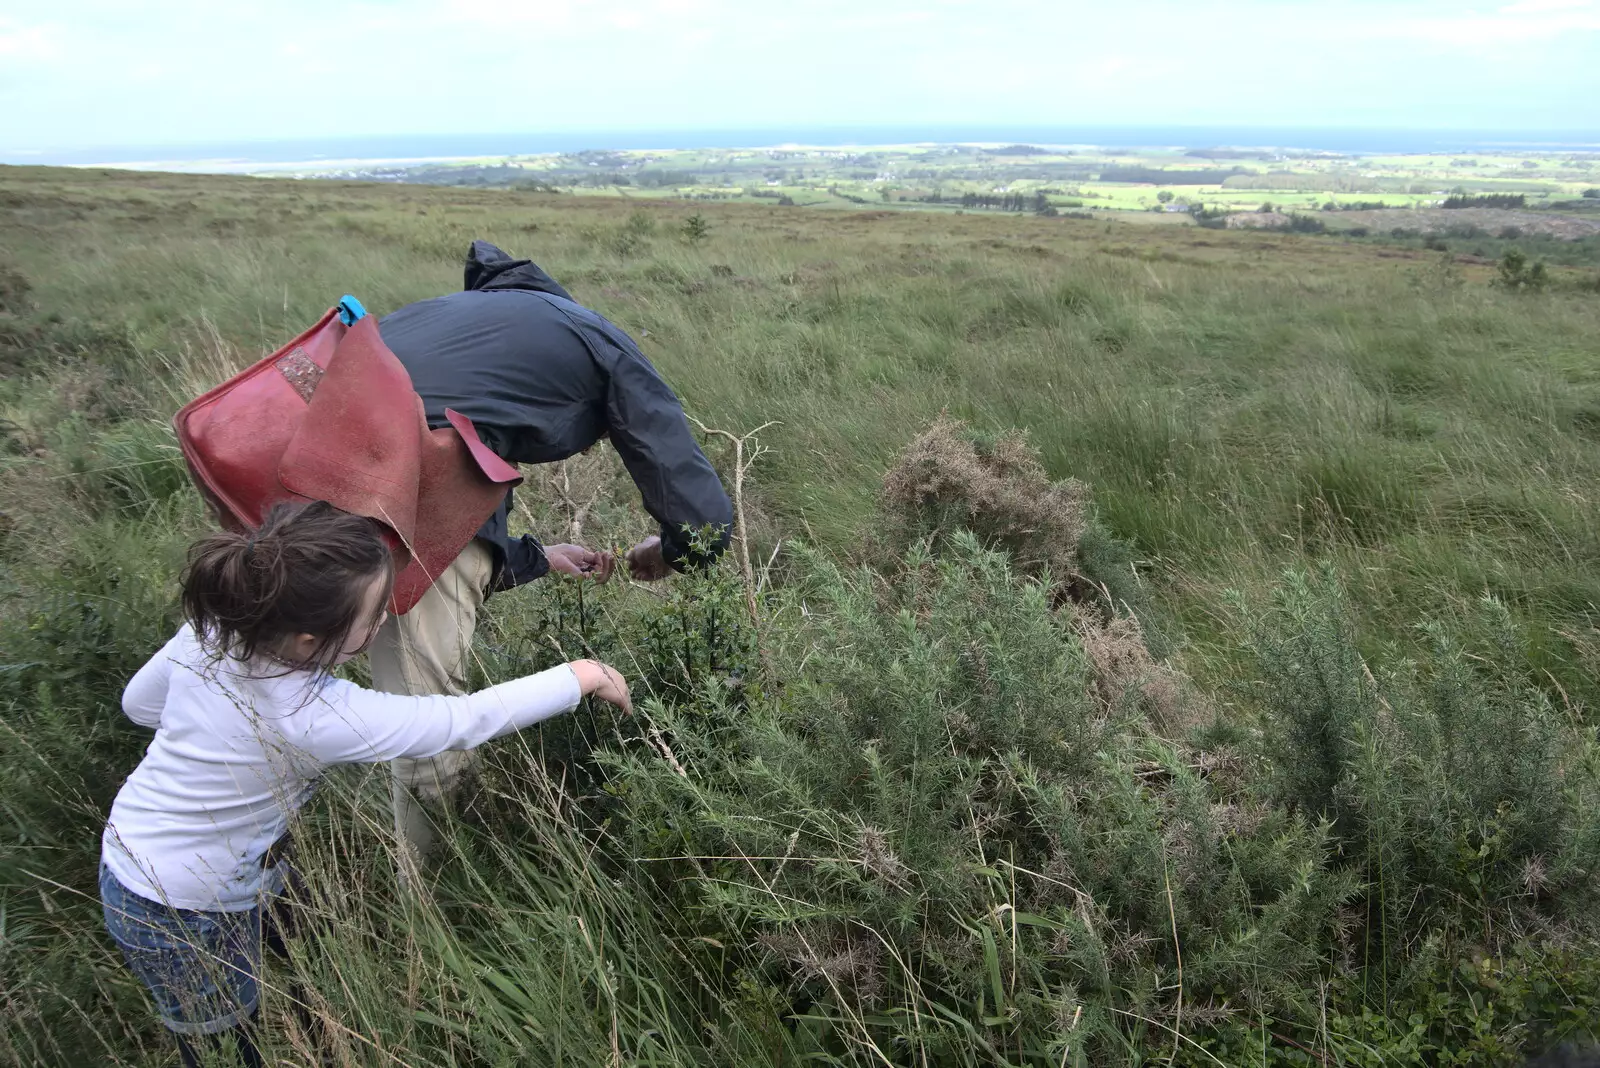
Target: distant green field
{"x": 929, "y": 177}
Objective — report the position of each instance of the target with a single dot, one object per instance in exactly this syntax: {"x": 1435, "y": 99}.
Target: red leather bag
{"x": 332, "y": 416}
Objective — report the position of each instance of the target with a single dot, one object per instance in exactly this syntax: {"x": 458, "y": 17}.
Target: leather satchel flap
{"x": 359, "y": 446}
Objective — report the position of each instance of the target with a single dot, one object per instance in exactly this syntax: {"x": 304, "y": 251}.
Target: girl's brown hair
{"x": 305, "y": 571}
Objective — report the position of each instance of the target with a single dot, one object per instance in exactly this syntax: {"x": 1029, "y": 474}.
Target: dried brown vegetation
{"x": 997, "y": 488}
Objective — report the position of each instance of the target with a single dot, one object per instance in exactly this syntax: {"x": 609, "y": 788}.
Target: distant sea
{"x": 237, "y": 155}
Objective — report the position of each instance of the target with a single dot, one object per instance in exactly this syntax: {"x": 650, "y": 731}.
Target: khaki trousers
{"x": 427, "y": 651}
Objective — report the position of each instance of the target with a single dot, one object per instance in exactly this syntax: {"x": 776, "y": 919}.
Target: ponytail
{"x": 304, "y": 571}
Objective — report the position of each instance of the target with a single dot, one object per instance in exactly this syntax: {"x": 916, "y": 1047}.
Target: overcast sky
{"x": 113, "y": 72}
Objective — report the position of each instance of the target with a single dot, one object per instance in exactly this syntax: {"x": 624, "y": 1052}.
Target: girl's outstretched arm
{"x": 358, "y": 726}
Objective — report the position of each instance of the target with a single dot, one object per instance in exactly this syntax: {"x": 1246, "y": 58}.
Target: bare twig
{"x": 1319, "y": 1055}
{"x": 741, "y": 466}
{"x": 766, "y": 569}
{"x": 561, "y": 482}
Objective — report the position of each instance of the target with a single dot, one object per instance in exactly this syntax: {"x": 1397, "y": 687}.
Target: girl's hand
{"x": 604, "y": 682}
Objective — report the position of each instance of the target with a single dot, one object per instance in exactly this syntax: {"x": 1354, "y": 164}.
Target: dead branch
{"x": 741, "y": 466}
{"x": 561, "y": 482}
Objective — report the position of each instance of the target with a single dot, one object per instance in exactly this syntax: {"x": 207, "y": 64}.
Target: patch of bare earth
{"x": 1434, "y": 221}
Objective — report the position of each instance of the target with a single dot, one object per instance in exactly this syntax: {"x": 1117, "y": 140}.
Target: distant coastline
{"x": 250, "y": 156}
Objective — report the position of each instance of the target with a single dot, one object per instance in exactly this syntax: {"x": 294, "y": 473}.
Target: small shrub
{"x": 1517, "y": 275}
{"x": 667, "y": 274}
{"x": 952, "y": 481}
{"x": 625, "y": 244}
{"x": 1442, "y": 276}
{"x": 696, "y": 229}
{"x": 1458, "y": 791}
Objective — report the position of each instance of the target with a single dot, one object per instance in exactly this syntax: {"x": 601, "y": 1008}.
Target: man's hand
{"x": 579, "y": 562}
{"x": 646, "y": 562}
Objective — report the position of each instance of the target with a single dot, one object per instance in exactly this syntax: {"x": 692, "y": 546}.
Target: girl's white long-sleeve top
{"x": 238, "y": 748}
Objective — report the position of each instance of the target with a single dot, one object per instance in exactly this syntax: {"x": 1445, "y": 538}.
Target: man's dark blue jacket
{"x": 542, "y": 378}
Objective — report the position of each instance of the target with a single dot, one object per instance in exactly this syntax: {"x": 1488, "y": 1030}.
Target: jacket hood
{"x": 488, "y": 267}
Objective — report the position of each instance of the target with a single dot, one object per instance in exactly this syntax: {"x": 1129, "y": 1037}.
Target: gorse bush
{"x": 1516, "y": 274}
{"x": 941, "y": 843}
{"x": 1466, "y": 798}
{"x": 948, "y": 841}
{"x": 950, "y": 479}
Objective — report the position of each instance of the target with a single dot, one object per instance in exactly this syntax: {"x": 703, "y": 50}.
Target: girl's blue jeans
{"x": 200, "y": 967}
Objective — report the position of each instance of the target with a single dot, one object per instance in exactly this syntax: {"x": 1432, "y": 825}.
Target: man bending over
{"x": 542, "y": 378}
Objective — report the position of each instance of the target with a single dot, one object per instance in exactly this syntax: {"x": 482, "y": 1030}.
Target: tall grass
{"x": 1235, "y": 400}
{"x": 912, "y": 829}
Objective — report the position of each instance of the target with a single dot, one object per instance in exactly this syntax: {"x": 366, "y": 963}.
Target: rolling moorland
{"x": 1160, "y": 644}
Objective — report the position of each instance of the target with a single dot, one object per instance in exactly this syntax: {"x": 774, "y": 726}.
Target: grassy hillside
{"x": 1372, "y": 803}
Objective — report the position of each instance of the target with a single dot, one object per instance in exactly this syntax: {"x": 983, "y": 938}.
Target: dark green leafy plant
{"x": 1516, "y": 274}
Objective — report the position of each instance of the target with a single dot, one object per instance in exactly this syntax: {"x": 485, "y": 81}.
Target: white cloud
{"x": 1498, "y": 30}
{"x": 1536, "y": 7}
{"x": 35, "y": 43}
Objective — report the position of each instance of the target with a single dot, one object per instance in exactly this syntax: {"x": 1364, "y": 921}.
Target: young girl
{"x": 247, "y": 715}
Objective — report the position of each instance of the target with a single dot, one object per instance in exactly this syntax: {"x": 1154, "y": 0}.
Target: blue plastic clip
{"x": 350, "y": 310}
